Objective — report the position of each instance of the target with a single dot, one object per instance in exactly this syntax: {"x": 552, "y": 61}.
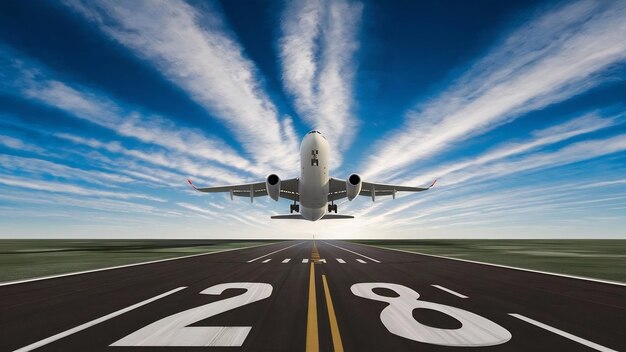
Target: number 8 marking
{"x": 398, "y": 318}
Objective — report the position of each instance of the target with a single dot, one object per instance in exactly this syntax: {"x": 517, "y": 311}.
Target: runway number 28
{"x": 174, "y": 330}
{"x": 397, "y": 317}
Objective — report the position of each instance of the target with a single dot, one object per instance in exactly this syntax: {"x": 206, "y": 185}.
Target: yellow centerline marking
{"x": 312, "y": 341}
{"x": 334, "y": 327}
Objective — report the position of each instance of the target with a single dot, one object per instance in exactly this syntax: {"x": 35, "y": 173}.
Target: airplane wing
{"x": 337, "y": 189}
{"x": 288, "y": 189}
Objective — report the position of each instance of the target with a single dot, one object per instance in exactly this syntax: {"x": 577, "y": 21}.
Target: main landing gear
{"x": 294, "y": 207}
{"x": 332, "y": 206}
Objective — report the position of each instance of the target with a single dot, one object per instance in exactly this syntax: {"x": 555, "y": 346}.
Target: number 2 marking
{"x": 174, "y": 330}
{"x": 398, "y": 318}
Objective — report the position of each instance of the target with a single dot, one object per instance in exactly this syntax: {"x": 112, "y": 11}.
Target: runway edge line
{"x": 7, "y": 283}
{"x": 97, "y": 321}
{"x": 609, "y": 282}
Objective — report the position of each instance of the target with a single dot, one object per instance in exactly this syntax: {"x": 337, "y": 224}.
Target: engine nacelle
{"x": 272, "y": 185}
{"x": 353, "y": 186}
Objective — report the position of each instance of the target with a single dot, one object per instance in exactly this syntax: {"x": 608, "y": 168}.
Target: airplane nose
{"x": 317, "y": 135}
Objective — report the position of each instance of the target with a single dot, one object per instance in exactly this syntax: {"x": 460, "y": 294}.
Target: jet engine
{"x": 272, "y": 185}
{"x": 353, "y": 186}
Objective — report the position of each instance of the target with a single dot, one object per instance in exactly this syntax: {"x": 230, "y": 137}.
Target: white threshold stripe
{"x": 74, "y": 330}
{"x": 305, "y": 261}
{"x": 503, "y": 266}
{"x": 125, "y": 265}
{"x": 580, "y": 340}
{"x": 266, "y": 261}
{"x": 361, "y": 261}
{"x": 449, "y": 291}
{"x": 341, "y": 261}
{"x": 286, "y": 260}
{"x": 359, "y": 254}
{"x": 263, "y": 256}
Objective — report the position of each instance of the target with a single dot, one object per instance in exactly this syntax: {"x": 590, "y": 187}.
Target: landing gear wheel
{"x": 332, "y": 207}
{"x": 294, "y": 207}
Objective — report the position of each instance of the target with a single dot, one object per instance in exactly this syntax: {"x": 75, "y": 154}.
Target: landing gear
{"x": 294, "y": 207}
{"x": 332, "y": 206}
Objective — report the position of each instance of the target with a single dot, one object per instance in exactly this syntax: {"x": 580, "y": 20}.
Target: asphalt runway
{"x": 274, "y": 298}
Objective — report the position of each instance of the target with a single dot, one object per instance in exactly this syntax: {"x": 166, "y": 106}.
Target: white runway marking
{"x": 359, "y": 254}
{"x": 94, "y": 322}
{"x": 286, "y": 260}
{"x": 341, "y": 261}
{"x": 266, "y": 260}
{"x": 580, "y": 340}
{"x": 449, "y": 291}
{"x": 305, "y": 261}
{"x": 263, "y": 256}
{"x": 361, "y": 261}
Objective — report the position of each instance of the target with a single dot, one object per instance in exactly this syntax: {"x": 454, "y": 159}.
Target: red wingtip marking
{"x": 435, "y": 181}
{"x": 194, "y": 187}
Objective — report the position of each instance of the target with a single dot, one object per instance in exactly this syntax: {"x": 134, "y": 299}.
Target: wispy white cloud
{"x": 572, "y": 153}
{"x": 103, "y": 111}
{"x": 170, "y": 160}
{"x": 539, "y": 139}
{"x": 196, "y": 209}
{"x": 454, "y": 194}
{"x": 18, "y": 144}
{"x": 605, "y": 183}
{"x": 209, "y": 64}
{"x": 61, "y": 187}
{"x": 36, "y": 166}
{"x": 317, "y": 52}
{"x": 96, "y": 203}
{"x": 554, "y": 56}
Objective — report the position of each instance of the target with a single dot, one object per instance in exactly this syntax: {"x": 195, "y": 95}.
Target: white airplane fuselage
{"x": 314, "y": 177}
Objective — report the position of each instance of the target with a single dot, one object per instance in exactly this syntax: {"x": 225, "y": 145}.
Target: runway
{"x": 308, "y": 296}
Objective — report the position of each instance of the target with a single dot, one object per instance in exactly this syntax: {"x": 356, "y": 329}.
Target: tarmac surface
{"x": 312, "y": 296}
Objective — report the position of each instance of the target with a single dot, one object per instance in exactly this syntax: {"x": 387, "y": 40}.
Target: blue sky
{"x": 517, "y": 107}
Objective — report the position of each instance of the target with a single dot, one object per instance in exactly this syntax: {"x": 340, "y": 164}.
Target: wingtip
{"x": 191, "y": 184}
{"x": 432, "y": 184}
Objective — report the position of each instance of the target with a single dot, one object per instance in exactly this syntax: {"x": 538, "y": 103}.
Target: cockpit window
{"x": 318, "y": 132}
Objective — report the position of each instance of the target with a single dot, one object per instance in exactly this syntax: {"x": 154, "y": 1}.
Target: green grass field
{"x": 21, "y": 259}
{"x": 601, "y": 259}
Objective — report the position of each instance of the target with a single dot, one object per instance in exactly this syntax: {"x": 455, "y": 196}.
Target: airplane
{"x": 314, "y": 189}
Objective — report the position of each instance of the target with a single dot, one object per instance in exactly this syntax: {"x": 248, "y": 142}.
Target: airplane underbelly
{"x": 314, "y": 180}
{"x": 313, "y": 197}
{"x": 312, "y": 213}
